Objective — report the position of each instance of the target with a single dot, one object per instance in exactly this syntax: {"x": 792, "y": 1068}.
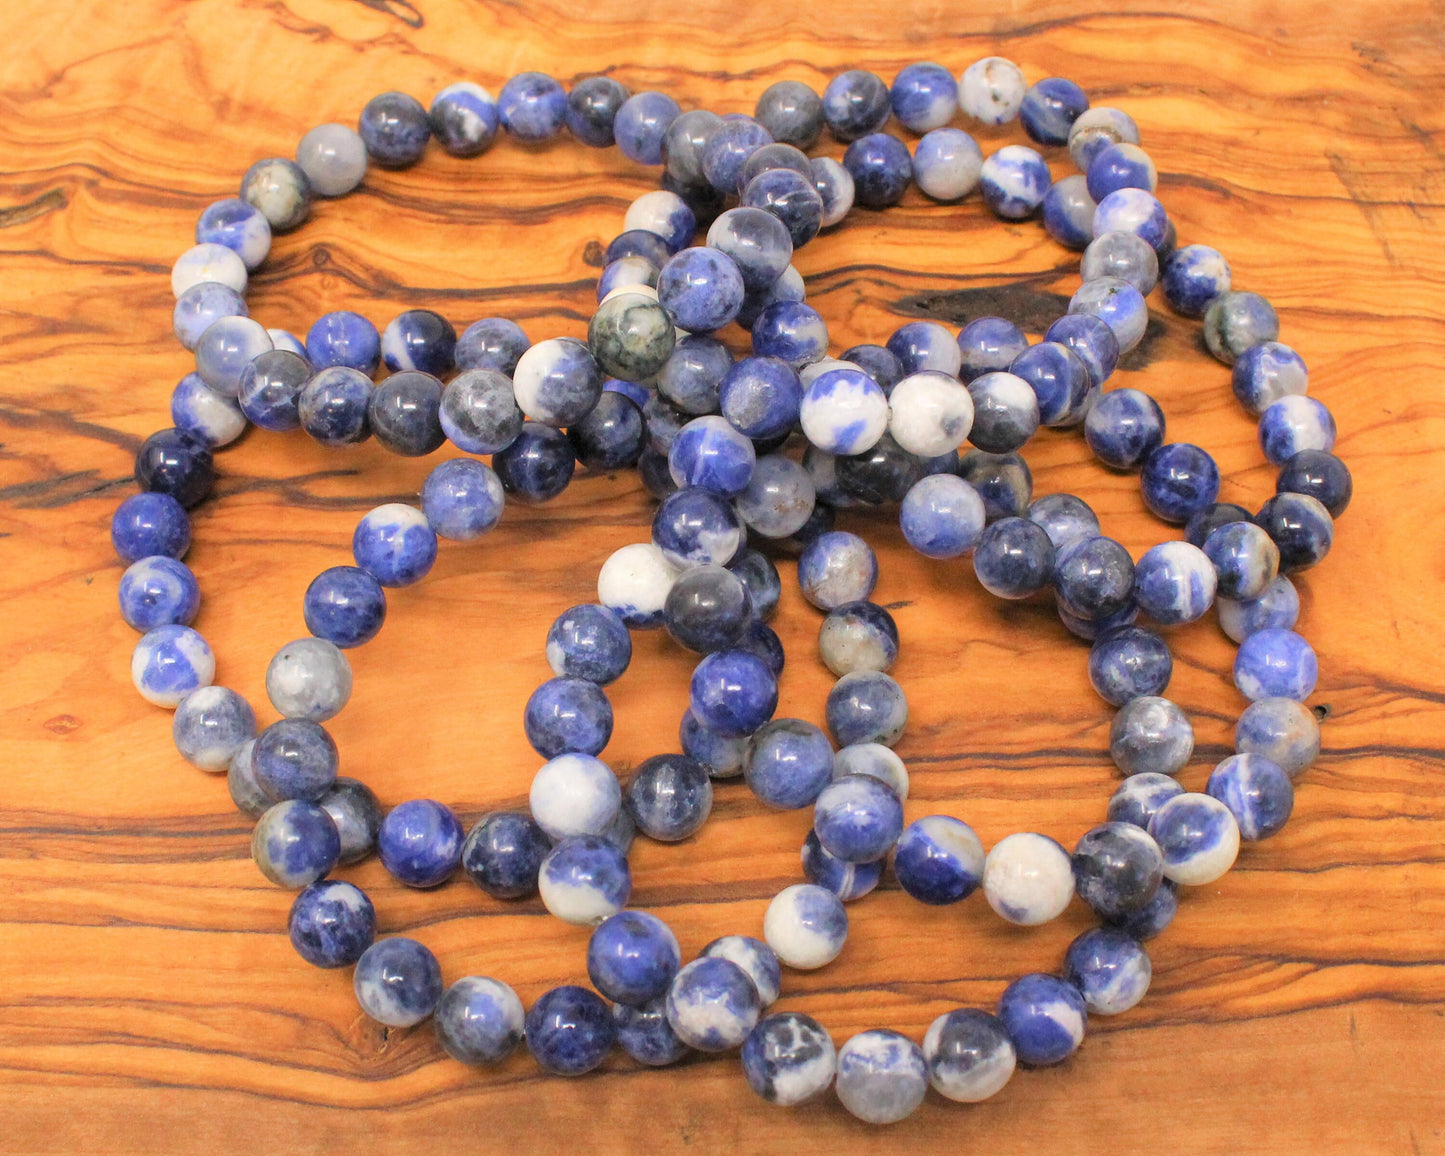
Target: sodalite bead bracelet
{"x": 652, "y": 387}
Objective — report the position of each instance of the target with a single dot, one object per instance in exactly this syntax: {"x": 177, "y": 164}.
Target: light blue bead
{"x": 1193, "y": 277}
{"x": 464, "y": 119}
{"x": 211, "y": 725}
{"x": 1267, "y": 372}
{"x": 462, "y": 499}
{"x": 947, "y": 164}
{"x": 1275, "y": 663}
{"x": 398, "y": 982}
{"x": 712, "y": 1005}
{"x": 866, "y": 706}
{"x": 924, "y": 96}
{"x": 836, "y": 568}
{"x": 584, "y": 879}
{"x": 198, "y": 409}
{"x": 779, "y": 498}
{"x": 1281, "y": 730}
{"x": 666, "y": 214}
{"x": 942, "y": 516}
{"x": 843, "y": 411}
{"x": 1121, "y": 255}
{"x": 1139, "y": 797}
{"x": 200, "y": 306}
{"x": 756, "y": 241}
{"x": 226, "y": 348}
{"x": 479, "y": 1020}
{"x": 239, "y": 226}
{"x": 1198, "y": 836}
{"x": 158, "y": 591}
{"x": 632, "y": 958}
{"x": 532, "y": 107}
{"x": 295, "y": 843}
{"x": 1174, "y": 583}
{"x": 710, "y": 454}
{"x": 1256, "y": 791}
{"x": 1132, "y": 211}
{"x": 343, "y": 338}
{"x": 788, "y": 1059}
{"x": 848, "y": 881}
{"x": 1118, "y": 304}
{"x": 1014, "y": 181}
{"x": 169, "y": 662}
{"x": 693, "y": 374}
{"x": 857, "y": 818}
{"x": 1110, "y": 969}
{"x": 1044, "y": 1016}
{"x": 1066, "y": 519}
{"x": 791, "y": 331}
{"x": 882, "y": 1076}
{"x": 939, "y": 860}
{"x": 788, "y": 763}
{"x": 642, "y": 123}
{"x": 756, "y": 958}
{"x": 395, "y": 544}
{"x": 1292, "y": 424}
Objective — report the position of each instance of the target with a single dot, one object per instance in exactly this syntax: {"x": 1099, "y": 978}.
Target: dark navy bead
{"x": 395, "y": 128}
{"x": 856, "y": 103}
{"x": 343, "y": 338}
{"x": 881, "y": 169}
{"x": 570, "y": 1031}
{"x": 334, "y": 406}
{"x": 1003, "y": 481}
{"x": 592, "y": 107}
{"x": 763, "y": 641}
{"x": 989, "y": 345}
{"x": 1204, "y": 522}
{"x": 1124, "y": 426}
{"x": 866, "y": 706}
{"x": 848, "y": 881}
{"x": 419, "y": 339}
{"x": 1319, "y": 475}
{"x": 707, "y": 609}
{"x": 568, "y": 715}
{"x": 879, "y": 363}
{"x": 632, "y": 958}
{"x": 638, "y": 243}
{"x": 491, "y": 343}
{"x": 727, "y": 150}
{"x": 1094, "y": 577}
{"x": 1091, "y": 341}
{"x": 271, "y": 389}
{"x": 532, "y": 107}
{"x": 1129, "y": 662}
{"x": 791, "y": 197}
{"x": 1059, "y": 379}
{"x": 1117, "y": 869}
{"x": 589, "y": 641}
{"x": 332, "y": 924}
{"x": 405, "y": 413}
{"x": 791, "y": 112}
{"x": 1178, "y": 481}
{"x": 1013, "y": 558}
{"x": 1154, "y": 916}
{"x": 464, "y": 119}
{"x": 503, "y": 853}
{"x": 177, "y": 463}
{"x": 1300, "y": 526}
{"x": 1044, "y": 1016}
{"x": 882, "y": 475}
{"x": 612, "y": 434}
{"x": 344, "y": 605}
{"x": 641, "y": 124}
{"x": 420, "y": 843}
{"x": 294, "y": 758}
{"x": 538, "y": 465}
{"x": 1050, "y": 108}
{"x": 669, "y": 798}
{"x": 645, "y": 1034}
{"x": 761, "y": 578}
{"x": 150, "y": 524}
{"x": 733, "y": 692}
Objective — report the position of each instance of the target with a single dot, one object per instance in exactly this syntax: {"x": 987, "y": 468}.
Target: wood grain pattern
{"x": 150, "y": 999}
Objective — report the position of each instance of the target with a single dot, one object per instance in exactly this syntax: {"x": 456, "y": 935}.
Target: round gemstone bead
{"x": 574, "y": 794}
{"x": 309, "y": 678}
{"x": 398, "y": 982}
{"x": 479, "y": 1020}
{"x": 295, "y": 843}
{"x": 733, "y": 692}
{"x": 969, "y": 1055}
{"x": 158, "y": 591}
{"x": 791, "y": 112}
{"x": 295, "y": 759}
{"x": 395, "y": 544}
{"x": 1028, "y": 879}
{"x": 1281, "y": 730}
{"x": 1178, "y": 481}
{"x": 344, "y": 605}
{"x": 939, "y": 860}
{"x": 334, "y": 406}
{"x": 333, "y": 157}
{"x": 857, "y": 818}
{"x": 669, "y": 797}
{"x": 211, "y": 725}
{"x": 357, "y": 815}
{"x": 788, "y": 1059}
{"x": 1175, "y": 583}
{"x": 503, "y": 853}
{"x": 1193, "y": 278}
{"x": 712, "y": 1005}
{"x": 331, "y": 924}
{"x": 1049, "y": 109}
{"x": 420, "y": 843}
{"x": 1275, "y": 663}
{"x": 1257, "y": 792}
{"x": 169, "y": 662}
{"x": 947, "y": 164}
{"x": 1014, "y": 181}
{"x": 991, "y": 90}
{"x": 855, "y": 103}
{"x": 395, "y": 129}
{"x": 1044, "y": 1016}
{"x": 1150, "y": 735}
{"x": 1110, "y": 969}
{"x": 787, "y": 763}
{"x": 632, "y": 958}
{"x": 806, "y": 926}
{"x": 1198, "y": 836}
{"x": 1117, "y": 869}
{"x": 532, "y": 107}
{"x": 592, "y": 108}
{"x": 882, "y": 1076}
{"x": 584, "y": 879}
{"x": 1237, "y": 321}
{"x": 1128, "y": 662}
{"x": 344, "y": 338}
{"x": 569, "y": 1031}
{"x": 881, "y": 169}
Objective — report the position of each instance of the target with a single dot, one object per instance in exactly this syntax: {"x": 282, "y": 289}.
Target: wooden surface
{"x": 149, "y": 1000}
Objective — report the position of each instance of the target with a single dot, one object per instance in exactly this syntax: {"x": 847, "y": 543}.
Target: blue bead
{"x": 1132, "y": 211}
{"x": 691, "y": 377}
{"x": 404, "y": 412}
{"x": 712, "y": 1004}
{"x": 1118, "y": 304}
{"x": 1281, "y": 730}
{"x": 462, "y": 499}
{"x": 1069, "y": 213}
{"x": 879, "y": 363}
{"x": 568, "y": 715}
{"x": 241, "y": 782}
{"x": 592, "y": 108}
{"x": 761, "y": 578}
{"x": 790, "y": 196}
{"x": 788, "y": 763}
{"x": 225, "y": 349}
{"x": 1320, "y": 475}
{"x": 420, "y": 843}
{"x": 1277, "y": 607}
{"x": 398, "y": 982}
{"x": 858, "y": 636}
{"x": 169, "y": 662}
{"x": 479, "y": 1020}
{"x": 1003, "y": 482}
{"x": 1193, "y": 277}
{"x": 710, "y": 454}
{"x": 638, "y": 243}
{"x": 1198, "y": 836}
{"x": 1174, "y": 583}
{"x": 701, "y": 289}
{"x": 344, "y": 605}
{"x": 1044, "y": 1016}
{"x": 632, "y": 958}
{"x": 158, "y": 591}
{"x": 836, "y": 568}
{"x": 639, "y": 395}
{"x": 570, "y": 1031}
{"x": 343, "y": 338}
{"x": 395, "y": 129}
{"x": 1139, "y": 797}
{"x": 866, "y": 706}
{"x": 1050, "y": 108}
{"x": 708, "y": 609}
{"x": 1094, "y": 577}
{"x": 332, "y": 924}
{"x": 295, "y": 843}
{"x": 1236, "y": 322}
{"x": 1110, "y": 969}
{"x": 537, "y": 465}
{"x": 271, "y": 388}
{"x": 989, "y": 345}
{"x": 1275, "y": 663}
{"x": 1059, "y": 379}
{"x": 942, "y": 516}
{"x": 175, "y": 462}
{"x": 503, "y": 853}
{"x": 694, "y": 527}
{"x": 1292, "y": 424}
{"x": 1267, "y": 372}
{"x": 463, "y": 117}
{"x": 395, "y": 544}
{"x": 727, "y": 150}
{"x": 1066, "y": 519}
{"x": 855, "y": 103}
{"x": 239, "y": 226}
{"x": 585, "y": 878}
{"x": 848, "y": 881}
{"x": 760, "y": 396}
{"x": 419, "y": 339}
{"x": 589, "y": 641}
{"x": 1245, "y": 560}
{"x": 758, "y": 961}
{"x": 969, "y": 1055}
{"x": 1124, "y": 427}
{"x": 1014, "y": 181}
{"x": 532, "y": 107}
{"x": 641, "y": 123}
{"x": 758, "y": 244}
{"x": 491, "y": 343}
{"x": 211, "y": 725}
{"x": 733, "y": 692}
{"x": 792, "y": 112}
{"x": 356, "y": 813}
{"x": 626, "y": 272}
{"x": 1154, "y": 916}
{"x": 924, "y": 96}
{"x": 857, "y": 818}
{"x": 1178, "y": 480}
{"x": 1300, "y": 526}
{"x": 788, "y": 1058}
{"x": 201, "y": 306}
{"x": 1129, "y": 662}
{"x": 294, "y": 759}
{"x": 1204, "y": 522}
{"x": 881, "y": 169}
{"x": 1013, "y": 558}
{"x": 920, "y": 346}
{"x": 1121, "y": 166}
{"x": 835, "y": 186}
{"x": 938, "y": 860}
{"x": 1117, "y": 868}
{"x": 1150, "y": 735}
{"x": 669, "y": 798}
{"x": 646, "y": 1036}
{"x": 1122, "y": 256}
{"x": 1090, "y": 340}
{"x": 1257, "y": 792}
{"x": 1005, "y": 412}
{"x": 334, "y": 406}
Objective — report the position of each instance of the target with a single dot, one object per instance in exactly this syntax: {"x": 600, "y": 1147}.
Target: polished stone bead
{"x": 1094, "y": 577}
{"x": 334, "y": 406}
{"x": 1277, "y": 607}
{"x": 632, "y": 958}
{"x": 1044, "y": 1016}
{"x": 538, "y": 465}
{"x": 885, "y": 472}
{"x": 1139, "y": 796}
{"x": 1091, "y": 340}
{"x": 857, "y": 818}
{"x": 1059, "y": 379}
{"x": 1049, "y": 109}
{"x": 663, "y": 420}
{"x": 835, "y": 185}
{"x": 787, "y": 763}
{"x": 778, "y": 499}
{"x": 333, "y": 157}
{"x": 837, "y": 568}
{"x": 1095, "y": 130}
{"x": 584, "y": 879}
{"x": 479, "y": 1020}
{"x": 795, "y": 333}
{"x": 158, "y": 591}
{"x": 1194, "y": 277}
{"x": 491, "y": 343}
{"x": 882, "y": 1076}
{"x": 404, "y": 413}
{"x": 1275, "y": 663}
{"x": 855, "y": 103}
{"x": 1317, "y": 474}
{"x": 1091, "y": 629}
{"x": 931, "y": 412}
{"x": 343, "y": 338}
{"x": 708, "y": 609}
{"x": 1123, "y": 428}
{"x": 942, "y": 516}
{"x": 245, "y": 791}
{"x": 462, "y": 499}
{"x": 395, "y": 544}
{"x": 344, "y": 605}
{"x": 419, "y": 339}
{"x": 285, "y": 340}
{"x": 669, "y": 797}
{"x": 712, "y": 1004}
{"x": 696, "y": 527}
{"x": 733, "y": 692}
{"x": 876, "y": 760}
{"x": 991, "y": 90}
{"x": 939, "y": 860}
{"x": 858, "y": 636}
{"x": 788, "y": 1059}
{"x": 1065, "y": 518}
{"x": 270, "y": 389}
{"x": 569, "y": 1031}
{"x": 1175, "y": 583}
{"x": 295, "y": 843}
{"x": 1236, "y": 322}
{"x": 683, "y": 145}
{"x": 1151, "y": 919}
{"x": 969, "y": 1055}
{"x": 634, "y": 581}
{"x": 1006, "y": 410}
{"x": 790, "y": 196}
{"x": 1027, "y": 879}
{"x": 924, "y": 96}
{"x": 201, "y": 306}
{"x": 1117, "y": 868}
{"x": 865, "y": 707}
{"x": 692, "y": 377}
{"x": 646, "y": 1036}
{"x": 613, "y": 435}
{"x": 1132, "y": 211}
{"x": 881, "y": 169}
{"x": 1257, "y": 792}
{"x": 758, "y": 245}
{"x": 1300, "y": 526}
{"x": 211, "y": 725}
{"x": 709, "y": 454}
{"x": 1068, "y": 212}
{"x": 294, "y": 759}
{"x": 278, "y": 188}
{"x": 1178, "y": 481}
{"x": 532, "y": 107}
{"x": 1280, "y": 730}
{"x": 848, "y": 881}
{"x": 592, "y": 108}
{"x": 1014, "y": 181}
{"x": 806, "y": 926}
{"x": 1110, "y": 969}
{"x": 763, "y": 583}
{"x": 1013, "y": 558}
{"x": 398, "y": 982}
{"x": 226, "y": 348}
{"x": 589, "y": 641}
{"x": 727, "y": 150}
{"x": 1122, "y": 255}
{"x": 1121, "y": 166}
{"x": 1116, "y": 303}
{"x": 309, "y": 678}
{"x": 1198, "y": 836}
{"x": 169, "y": 662}
{"x": 208, "y": 264}
{"x": 1293, "y": 424}
{"x": 395, "y": 129}
{"x": 641, "y": 124}
{"x": 763, "y": 640}
{"x": 947, "y": 164}
{"x": 331, "y": 924}
{"x": 1265, "y": 373}
{"x": 626, "y": 273}
{"x": 756, "y": 959}
{"x": 1150, "y": 735}
{"x": 568, "y": 715}
{"x": 1204, "y": 522}
{"x": 503, "y": 853}
{"x": 791, "y": 112}
{"x": 357, "y": 815}
{"x": 574, "y": 793}
{"x": 1129, "y": 662}
{"x": 1245, "y": 559}
{"x": 843, "y": 411}
{"x": 558, "y": 381}
{"x": 463, "y": 117}
{"x": 631, "y": 336}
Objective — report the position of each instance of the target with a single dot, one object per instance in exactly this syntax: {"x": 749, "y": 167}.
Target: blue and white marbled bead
{"x": 835, "y": 186}
{"x": 924, "y": 347}
{"x": 942, "y": 516}
{"x": 1093, "y": 578}
{"x": 589, "y": 641}
{"x": 462, "y": 499}
{"x": 1275, "y": 663}
{"x": 357, "y": 815}
{"x": 1132, "y": 211}
{"x": 806, "y": 926}
{"x": 930, "y": 411}
{"x": 882, "y": 1076}
{"x": 792, "y": 331}
{"x": 200, "y": 410}
{"x": 791, "y": 112}
{"x": 1267, "y": 372}
{"x": 665, "y": 213}
{"x": 1096, "y": 129}
{"x": 1175, "y": 583}
{"x": 788, "y": 1059}
{"x": 479, "y": 1020}
{"x": 395, "y": 544}
{"x": 239, "y": 226}
{"x": 646, "y": 1036}
{"x": 1150, "y": 735}
{"x": 1091, "y": 340}
{"x": 701, "y": 288}
{"x": 557, "y": 381}
{"x": 1014, "y": 181}
{"x": 881, "y": 169}
{"x": 634, "y": 583}
{"x": 1059, "y": 379}
{"x": 1281, "y": 730}
{"x": 1179, "y": 480}
{"x": 991, "y": 90}
{"x": 1116, "y": 303}
{"x": 395, "y": 129}
{"x": 857, "y": 818}
{"x": 592, "y": 109}
{"x": 1193, "y": 277}
{"x": 939, "y": 860}
{"x": 464, "y": 118}
{"x": 733, "y": 692}
{"x": 584, "y": 879}
{"x": 1049, "y": 109}
{"x": 295, "y": 759}
{"x": 837, "y": 568}
{"x": 574, "y": 794}
{"x": 848, "y": 881}
{"x": 947, "y": 164}
{"x": 201, "y": 306}
{"x": 989, "y": 345}
{"x": 710, "y": 454}
{"x": 211, "y": 725}
{"x": 1121, "y": 166}
{"x": 503, "y": 853}
{"x": 226, "y": 348}
{"x": 270, "y": 389}
{"x": 924, "y": 96}
{"x": 696, "y": 527}
{"x": 344, "y": 605}
{"x": 419, "y": 339}
{"x": 491, "y": 343}
{"x": 787, "y": 763}
{"x": 397, "y": 982}
{"x": 761, "y": 396}
{"x": 632, "y": 958}
{"x": 1257, "y": 792}
{"x": 1028, "y": 878}
{"x": 1198, "y": 836}
{"x": 844, "y": 411}
{"x": 669, "y": 798}
{"x": 532, "y": 107}
{"x": 208, "y": 263}
{"x": 335, "y": 406}
{"x": 1065, "y": 518}
{"x": 1068, "y": 212}
{"x": 158, "y": 591}
{"x": 1292, "y": 424}
{"x": 1123, "y": 255}
{"x": 569, "y": 1031}
{"x": 1237, "y": 321}
{"x": 309, "y": 678}
{"x": 969, "y": 1055}
{"x": 169, "y": 662}
{"x": 855, "y": 103}
{"x": 343, "y": 338}
{"x": 1013, "y": 558}
{"x": 779, "y": 498}
{"x": 873, "y": 759}
{"x": 331, "y": 924}
{"x": 1117, "y": 868}
{"x": 727, "y": 149}
{"x": 712, "y": 1005}
{"x": 757, "y": 242}
{"x": 295, "y": 843}
{"x": 1005, "y": 412}
{"x": 626, "y": 273}
{"x": 420, "y": 843}
{"x": 858, "y": 636}
{"x": 866, "y": 706}
{"x": 1245, "y": 559}
{"x": 1139, "y": 796}
{"x": 1128, "y": 662}
{"x": 245, "y": 791}
{"x": 1156, "y": 915}
{"x": 1110, "y": 969}
{"x": 1300, "y": 526}
{"x": 568, "y": 716}
{"x": 1044, "y": 1016}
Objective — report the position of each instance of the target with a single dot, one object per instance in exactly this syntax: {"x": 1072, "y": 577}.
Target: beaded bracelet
{"x": 883, "y": 425}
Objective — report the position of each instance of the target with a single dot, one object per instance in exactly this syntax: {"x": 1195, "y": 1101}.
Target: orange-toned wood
{"x": 149, "y": 1000}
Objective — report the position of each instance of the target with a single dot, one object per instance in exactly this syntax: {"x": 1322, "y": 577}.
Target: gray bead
{"x": 333, "y": 157}
{"x": 309, "y": 678}
{"x": 278, "y": 188}
{"x": 631, "y": 336}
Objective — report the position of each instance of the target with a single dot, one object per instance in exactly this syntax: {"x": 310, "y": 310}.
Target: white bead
{"x": 1028, "y": 879}
{"x": 992, "y": 90}
{"x": 574, "y": 794}
{"x": 844, "y": 412}
{"x": 655, "y": 213}
{"x": 873, "y": 759}
{"x": 208, "y": 262}
{"x": 309, "y": 678}
{"x": 806, "y": 926}
{"x": 634, "y": 582}
{"x": 930, "y": 413}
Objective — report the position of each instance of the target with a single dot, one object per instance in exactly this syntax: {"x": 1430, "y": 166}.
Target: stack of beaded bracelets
{"x": 712, "y": 438}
